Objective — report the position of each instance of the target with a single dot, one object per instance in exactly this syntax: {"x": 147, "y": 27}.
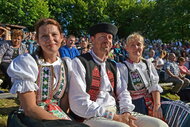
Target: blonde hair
{"x": 134, "y": 36}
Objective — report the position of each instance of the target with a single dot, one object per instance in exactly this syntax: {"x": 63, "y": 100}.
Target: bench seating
{"x": 166, "y": 84}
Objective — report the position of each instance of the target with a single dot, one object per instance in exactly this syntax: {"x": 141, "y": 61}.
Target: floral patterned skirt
{"x": 51, "y": 105}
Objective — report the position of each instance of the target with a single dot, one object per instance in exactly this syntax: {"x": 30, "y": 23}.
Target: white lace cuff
{"x": 155, "y": 88}
{"x": 23, "y": 86}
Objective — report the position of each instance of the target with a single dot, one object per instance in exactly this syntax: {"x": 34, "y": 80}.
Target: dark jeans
{"x": 7, "y": 80}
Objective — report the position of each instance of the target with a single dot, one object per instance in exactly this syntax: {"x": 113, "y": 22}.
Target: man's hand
{"x": 126, "y": 118}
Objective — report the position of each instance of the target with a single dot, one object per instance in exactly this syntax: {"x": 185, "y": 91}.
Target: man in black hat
{"x": 96, "y": 90}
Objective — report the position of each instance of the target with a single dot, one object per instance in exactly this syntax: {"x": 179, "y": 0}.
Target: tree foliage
{"x": 77, "y": 15}
{"x": 23, "y": 12}
{"x": 164, "y": 19}
{"x": 171, "y": 19}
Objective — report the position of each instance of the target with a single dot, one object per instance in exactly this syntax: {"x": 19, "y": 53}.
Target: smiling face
{"x": 135, "y": 46}
{"x": 16, "y": 37}
{"x": 102, "y": 43}
{"x": 49, "y": 38}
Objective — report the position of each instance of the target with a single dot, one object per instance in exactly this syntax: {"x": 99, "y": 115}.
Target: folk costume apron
{"x": 49, "y": 95}
{"x": 141, "y": 98}
{"x": 175, "y": 113}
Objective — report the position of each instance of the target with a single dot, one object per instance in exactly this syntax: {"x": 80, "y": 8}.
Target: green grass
{"x": 6, "y": 106}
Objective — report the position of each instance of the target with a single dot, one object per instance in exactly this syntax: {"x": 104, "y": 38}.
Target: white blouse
{"x": 151, "y": 80}
{"x": 79, "y": 99}
{"x": 23, "y": 71}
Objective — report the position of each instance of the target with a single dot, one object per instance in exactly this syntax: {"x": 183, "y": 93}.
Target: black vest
{"x": 130, "y": 86}
{"x": 89, "y": 65}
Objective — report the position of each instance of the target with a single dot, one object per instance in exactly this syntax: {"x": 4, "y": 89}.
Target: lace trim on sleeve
{"x": 23, "y": 86}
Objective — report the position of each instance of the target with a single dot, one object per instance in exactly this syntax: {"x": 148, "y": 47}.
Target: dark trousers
{"x": 7, "y": 80}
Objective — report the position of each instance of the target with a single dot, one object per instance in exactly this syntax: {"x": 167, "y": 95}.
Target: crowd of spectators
{"x": 170, "y": 60}
{"x": 155, "y": 50}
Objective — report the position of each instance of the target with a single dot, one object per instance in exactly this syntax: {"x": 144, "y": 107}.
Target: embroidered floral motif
{"x": 95, "y": 86}
{"x": 61, "y": 84}
{"x": 52, "y": 107}
{"x": 94, "y": 90}
{"x": 136, "y": 80}
{"x": 48, "y": 98}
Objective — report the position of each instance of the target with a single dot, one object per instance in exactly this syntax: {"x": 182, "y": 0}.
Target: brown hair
{"x": 16, "y": 33}
{"x": 181, "y": 59}
{"x": 46, "y": 21}
{"x": 41, "y": 22}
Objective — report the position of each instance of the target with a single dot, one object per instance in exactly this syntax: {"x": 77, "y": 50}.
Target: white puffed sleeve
{"x": 23, "y": 71}
{"x": 125, "y": 100}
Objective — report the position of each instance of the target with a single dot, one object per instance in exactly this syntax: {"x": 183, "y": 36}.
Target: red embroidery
{"x": 147, "y": 97}
{"x": 96, "y": 81}
{"x": 111, "y": 78}
{"x": 95, "y": 86}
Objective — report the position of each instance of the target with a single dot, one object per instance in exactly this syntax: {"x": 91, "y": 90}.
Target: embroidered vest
{"x": 49, "y": 94}
{"x": 45, "y": 82}
{"x": 46, "y": 77}
{"x": 93, "y": 77}
{"x": 137, "y": 87}
{"x": 135, "y": 81}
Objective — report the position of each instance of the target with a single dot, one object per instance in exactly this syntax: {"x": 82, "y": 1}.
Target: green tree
{"x": 131, "y": 16}
{"x": 76, "y": 16}
{"x": 23, "y": 12}
{"x": 171, "y": 19}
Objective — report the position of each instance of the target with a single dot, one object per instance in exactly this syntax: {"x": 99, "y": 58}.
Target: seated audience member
{"x": 160, "y": 65}
{"x": 160, "y": 61}
{"x": 173, "y": 75}
{"x": 117, "y": 52}
{"x": 41, "y": 81}
{"x": 96, "y": 87}
{"x": 183, "y": 69}
{"x": 83, "y": 46}
{"x": 69, "y": 49}
{"x": 151, "y": 56}
{"x": 8, "y": 51}
{"x": 184, "y": 93}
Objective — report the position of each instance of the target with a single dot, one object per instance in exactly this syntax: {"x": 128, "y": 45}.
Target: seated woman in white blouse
{"x": 141, "y": 78}
{"x": 41, "y": 80}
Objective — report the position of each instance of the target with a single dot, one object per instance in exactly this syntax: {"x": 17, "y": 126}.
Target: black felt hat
{"x": 103, "y": 27}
